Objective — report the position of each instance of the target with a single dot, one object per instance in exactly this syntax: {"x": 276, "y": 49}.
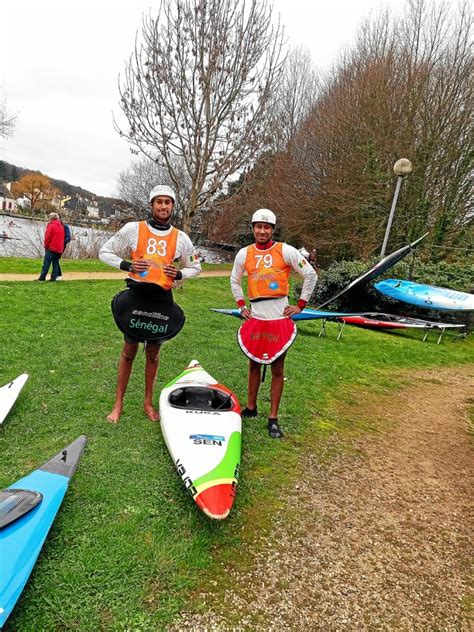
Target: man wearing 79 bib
{"x": 268, "y": 331}
{"x": 145, "y": 311}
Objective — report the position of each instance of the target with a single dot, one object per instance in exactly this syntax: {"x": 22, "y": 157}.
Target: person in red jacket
{"x": 53, "y": 246}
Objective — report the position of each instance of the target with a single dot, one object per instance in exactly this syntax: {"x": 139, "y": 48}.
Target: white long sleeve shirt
{"x": 120, "y": 246}
{"x": 274, "y": 307}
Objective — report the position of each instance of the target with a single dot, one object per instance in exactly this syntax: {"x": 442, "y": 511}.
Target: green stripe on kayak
{"x": 226, "y": 468}
{"x": 185, "y": 372}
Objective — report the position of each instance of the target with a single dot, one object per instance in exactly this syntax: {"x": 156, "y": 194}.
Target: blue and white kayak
{"x": 427, "y": 296}
{"x": 27, "y": 511}
{"x": 9, "y": 394}
{"x": 306, "y": 314}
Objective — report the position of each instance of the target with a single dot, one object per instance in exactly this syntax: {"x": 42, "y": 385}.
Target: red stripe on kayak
{"x": 217, "y": 501}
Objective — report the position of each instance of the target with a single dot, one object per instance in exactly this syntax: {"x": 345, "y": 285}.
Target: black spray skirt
{"x": 147, "y": 312}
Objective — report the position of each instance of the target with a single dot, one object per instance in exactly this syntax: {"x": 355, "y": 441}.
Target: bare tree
{"x": 295, "y": 95}
{"x": 197, "y": 88}
{"x": 7, "y": 120}
{"x": 135, "y": 184}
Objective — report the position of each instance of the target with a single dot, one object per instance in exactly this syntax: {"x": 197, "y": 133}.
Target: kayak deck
{"x": 201, "y": 425}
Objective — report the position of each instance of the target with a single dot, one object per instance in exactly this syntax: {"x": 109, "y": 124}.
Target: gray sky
{"x": 59, "y": 67}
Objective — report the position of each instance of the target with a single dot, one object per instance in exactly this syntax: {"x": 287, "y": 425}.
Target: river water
{"x": 24, "y": 238}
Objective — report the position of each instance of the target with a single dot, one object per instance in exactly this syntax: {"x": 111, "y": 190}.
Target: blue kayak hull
{"x": 306, "y": 314}
{"x": 21, "y": 541}
{"x": 427, "y": 296}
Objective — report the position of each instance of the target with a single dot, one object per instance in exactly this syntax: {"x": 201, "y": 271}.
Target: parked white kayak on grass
{"x": 201, "y": 424}
{"x": 9, "y": 394}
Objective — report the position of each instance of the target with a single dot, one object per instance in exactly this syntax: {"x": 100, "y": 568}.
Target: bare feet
{"x": 150, "y": 412}
{"x": 114, "y": 416}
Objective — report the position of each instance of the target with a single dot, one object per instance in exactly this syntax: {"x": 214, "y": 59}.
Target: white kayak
{"x": 9, "y": 394}
{"x": 201, "y": 424}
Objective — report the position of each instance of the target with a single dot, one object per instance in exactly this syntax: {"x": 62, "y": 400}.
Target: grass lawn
{"x": 19, "y": 265}
{"x": 128, "y": 546}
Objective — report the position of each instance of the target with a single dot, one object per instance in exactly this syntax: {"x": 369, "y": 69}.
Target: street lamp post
{"x": 402, "y": 168}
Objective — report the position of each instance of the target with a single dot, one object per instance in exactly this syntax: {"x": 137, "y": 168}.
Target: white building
{"x": 93, "y": 210}
{"x": 7, "y": 201}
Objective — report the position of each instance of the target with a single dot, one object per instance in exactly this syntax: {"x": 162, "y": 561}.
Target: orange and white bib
{"x": 268, "y": 272}
{"x": 159, "y": 251}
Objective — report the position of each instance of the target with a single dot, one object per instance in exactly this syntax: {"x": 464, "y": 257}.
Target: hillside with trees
{"x": 40, "y": 189}
{"x": 12, "y": 173}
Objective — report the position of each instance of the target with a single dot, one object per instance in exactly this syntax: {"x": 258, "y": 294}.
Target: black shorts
{"x": 132, "y": 341}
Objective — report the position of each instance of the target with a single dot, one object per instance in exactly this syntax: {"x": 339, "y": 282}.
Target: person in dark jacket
{"x": 53, "y": 246}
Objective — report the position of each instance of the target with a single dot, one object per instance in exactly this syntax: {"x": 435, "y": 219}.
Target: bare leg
{"x": 129, "y": 352}
{"x": 278, "y": 380}
{"x": 152, "y": 352}
{"x": 253, "y": 384}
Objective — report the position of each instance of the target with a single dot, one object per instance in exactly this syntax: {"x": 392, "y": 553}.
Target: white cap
{"x": 304, "y": 252}
{"x": 264, "y": 215}
{"x": 162, "y": 189}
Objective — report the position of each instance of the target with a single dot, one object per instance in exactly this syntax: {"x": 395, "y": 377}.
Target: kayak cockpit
{"x": 200, "y": 398}
{"x": 15, "y": 503}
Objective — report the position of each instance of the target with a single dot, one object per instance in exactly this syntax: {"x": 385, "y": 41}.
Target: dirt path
{"x": 96, "y": 276}
{"x": 379, "y": 540}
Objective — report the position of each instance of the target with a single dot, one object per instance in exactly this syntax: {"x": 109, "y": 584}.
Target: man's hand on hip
{"x": 291, "y": 310}
{"x": 170, "y": 271}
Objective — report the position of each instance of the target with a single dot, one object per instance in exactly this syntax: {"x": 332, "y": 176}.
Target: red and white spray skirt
{"x": 265, "y": 340}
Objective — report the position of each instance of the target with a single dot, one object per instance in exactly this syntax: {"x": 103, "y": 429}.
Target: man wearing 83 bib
{"x": 268, "y": 332}
{"x": 146, "y": 312}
